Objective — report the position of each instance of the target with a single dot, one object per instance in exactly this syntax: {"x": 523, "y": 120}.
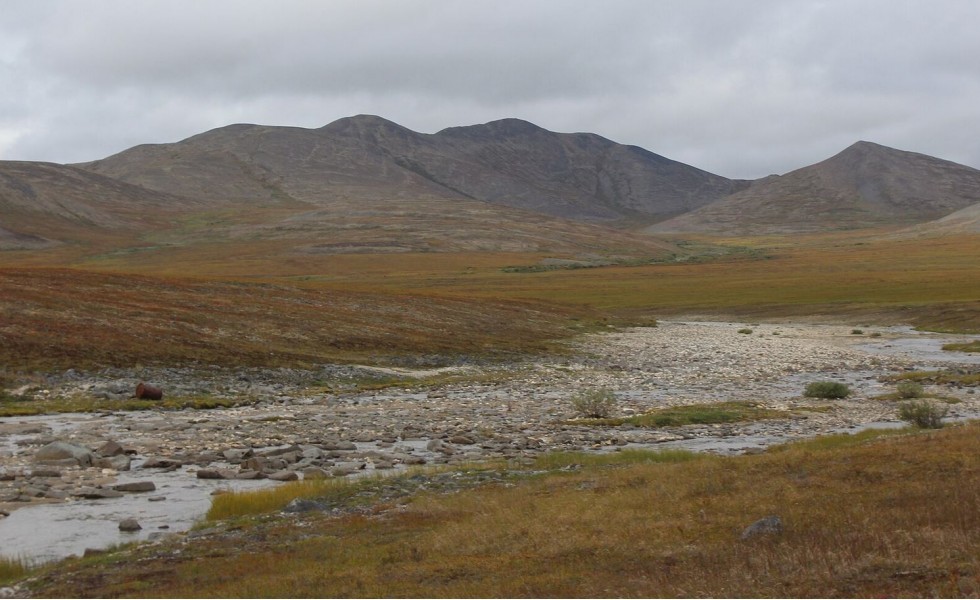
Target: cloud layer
{"x": 742, "y": 89}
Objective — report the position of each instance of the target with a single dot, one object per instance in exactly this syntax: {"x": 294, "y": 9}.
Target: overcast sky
{"x": 739, "y": 88}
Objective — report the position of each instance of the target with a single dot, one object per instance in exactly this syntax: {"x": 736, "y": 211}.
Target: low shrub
{"x": 745, "y": 330}
{"x": 594, "y": 404}
{"x": 857, "y": 332}
{"x": 827, "y": 389}
{"x": 909, "y": 389}
{"x": 922, "y": 414}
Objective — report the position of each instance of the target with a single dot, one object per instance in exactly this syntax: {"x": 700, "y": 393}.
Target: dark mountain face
{"x": 866, "y": 185}
{"x": 508, "y": 162}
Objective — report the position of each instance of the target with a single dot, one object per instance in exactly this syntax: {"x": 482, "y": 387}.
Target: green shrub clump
{"x": 745, "y": 330}
{"x": 922, "y": 414}
{"x": 827, "y": 389}
{"x": 910, "y": 389}
{"x": 594, "y": 404}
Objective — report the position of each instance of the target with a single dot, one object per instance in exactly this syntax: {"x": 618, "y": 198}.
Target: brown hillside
{"x": 866, "y": 185}
{"x": 369, "y": 159}
{"x": 42, "y": 203}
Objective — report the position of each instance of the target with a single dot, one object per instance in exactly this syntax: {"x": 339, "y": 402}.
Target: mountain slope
{"x": 41, "y": 203}
{"x": 367, "y": 158}
{"x": 965, "y": 220}
{"x": 866, "y": 185}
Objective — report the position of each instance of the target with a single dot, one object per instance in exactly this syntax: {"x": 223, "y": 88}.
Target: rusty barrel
{"x": 149, "y": 392}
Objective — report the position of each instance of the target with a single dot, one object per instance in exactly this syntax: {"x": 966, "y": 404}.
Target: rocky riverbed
{"x": 321, "y": 423}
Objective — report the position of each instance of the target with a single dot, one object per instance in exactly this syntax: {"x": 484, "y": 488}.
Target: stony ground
{"x": 304, "y": 423}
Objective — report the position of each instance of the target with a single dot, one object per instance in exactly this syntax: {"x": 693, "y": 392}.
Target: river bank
{"x": 304, "y": 423}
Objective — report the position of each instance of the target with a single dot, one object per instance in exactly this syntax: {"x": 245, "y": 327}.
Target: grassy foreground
{"x": 873, "y": 515}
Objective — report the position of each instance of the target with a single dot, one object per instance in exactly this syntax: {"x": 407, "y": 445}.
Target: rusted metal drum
{"x": 149, "y": 392}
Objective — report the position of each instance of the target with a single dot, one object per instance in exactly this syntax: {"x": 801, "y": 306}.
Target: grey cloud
{"x": 739, "y": 88}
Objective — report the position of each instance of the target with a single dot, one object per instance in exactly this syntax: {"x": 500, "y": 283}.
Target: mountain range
{"x": 366, "y": 184}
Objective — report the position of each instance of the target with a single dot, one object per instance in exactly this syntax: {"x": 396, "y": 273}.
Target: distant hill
{"x": 364, "y": 184}
{"x": 866, "y": 185}
{"x": 42, "y": 204}
{"x": 510, "y": 162}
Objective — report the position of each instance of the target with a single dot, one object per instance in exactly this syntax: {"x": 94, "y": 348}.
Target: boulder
{"x": 42, "y": 472}
{"x": 94, "y": 493}
{"x": 770, "y": 525}
{"x": 284, "y": 476}
{"x": 215, "y": 474}
{"x": 135, "y": 486}
{"x": 315, "y": 473}
{"x": 159, "y": 462}
{"x": 129, "y": 525}
{"x": 300, "y": 505}
{"x": 119, "y": 463}
{"x": 61, "y": 453}
{"x": 110, "y": 448}
{"x": 236, "y": 455}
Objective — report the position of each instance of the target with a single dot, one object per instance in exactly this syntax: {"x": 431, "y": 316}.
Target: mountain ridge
{"x": 864, "y": 185}
{"x": 369, "y": 184}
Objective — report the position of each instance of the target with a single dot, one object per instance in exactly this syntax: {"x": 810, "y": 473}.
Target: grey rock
{"x": 120, "y": 462}
{"x": 33, "y": 492}
{"x": 129, "y": 525}
{"x": 771, "y": 525}
{"x": 301, "y": 505}
{"x": 338, "y": 445}
{"x": 42, "y": 472}
{"x": 135, "y": 486}
{"x": 215, "y": 474}
{"x": 282, "y": 451}
{"x": 315, "y": 473}
{"x": 58, "y": 452}
{"x": 94, "y": 493}
{"x": 235, "y": 455}
{"x": 284, "y": 476}
{"x": 159, "y": 462}
{"x": 110, "y": 448}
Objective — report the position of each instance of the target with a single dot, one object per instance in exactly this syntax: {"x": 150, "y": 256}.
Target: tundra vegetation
{"x": 827, "y": 389}
{"x": 636, "y": 524}
{"x": 623, "y": 524}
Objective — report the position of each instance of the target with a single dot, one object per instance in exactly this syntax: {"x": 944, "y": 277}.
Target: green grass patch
{"x": 13, "y": 569}
{"x": 973, "y": 346}
{"x": 827, "y": 389}
{"x": 693, "y": 414}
